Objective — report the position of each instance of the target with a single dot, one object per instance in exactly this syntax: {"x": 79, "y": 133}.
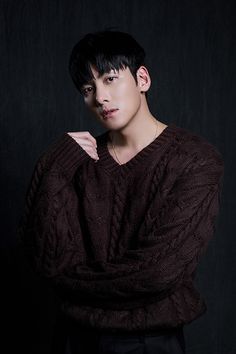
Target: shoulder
{"x": 193, "y": 153}
{"x": 194, "y": 146}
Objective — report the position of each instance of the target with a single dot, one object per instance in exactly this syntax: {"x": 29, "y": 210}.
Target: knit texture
{"x": 121, "y": 243}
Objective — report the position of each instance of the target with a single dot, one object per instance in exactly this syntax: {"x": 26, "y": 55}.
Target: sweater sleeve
{"x": 58, "y": 164}
{"x": 169, "y": 255}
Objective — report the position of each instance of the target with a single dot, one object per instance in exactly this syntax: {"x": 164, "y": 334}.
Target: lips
{"x": 109, "y": 112}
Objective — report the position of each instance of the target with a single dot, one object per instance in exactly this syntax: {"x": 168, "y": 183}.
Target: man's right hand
{"x": 87, "y": 142}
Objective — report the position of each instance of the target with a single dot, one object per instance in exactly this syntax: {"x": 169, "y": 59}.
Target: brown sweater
{"x": 121, "y": 243}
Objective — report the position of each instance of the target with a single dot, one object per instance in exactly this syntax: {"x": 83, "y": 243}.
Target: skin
{"x": 132, "y": 126}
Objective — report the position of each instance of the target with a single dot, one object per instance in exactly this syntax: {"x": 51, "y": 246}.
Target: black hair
{"x": 105, "y": 50}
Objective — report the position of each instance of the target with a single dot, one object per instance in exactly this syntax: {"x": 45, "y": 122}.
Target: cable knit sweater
{"x": 121, "y": 243}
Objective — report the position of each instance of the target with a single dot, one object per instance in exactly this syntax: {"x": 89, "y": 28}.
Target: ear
{"x": 143, "y": 79}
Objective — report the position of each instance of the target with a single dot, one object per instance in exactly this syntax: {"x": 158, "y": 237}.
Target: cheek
{"x": 127, "y": 94}
{"x": 133, "y": 99}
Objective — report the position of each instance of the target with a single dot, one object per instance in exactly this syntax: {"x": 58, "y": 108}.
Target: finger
{"x": 85, "y": 135}
{"x": 91, "y": 151}
{"x": 85, "y": 143}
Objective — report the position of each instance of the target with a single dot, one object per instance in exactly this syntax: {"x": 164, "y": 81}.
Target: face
{"x": 115, "y": 98}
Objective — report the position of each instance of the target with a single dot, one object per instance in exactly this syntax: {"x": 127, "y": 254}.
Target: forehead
{"x": 125, "y": 73}
{"x": 97, "y": 75}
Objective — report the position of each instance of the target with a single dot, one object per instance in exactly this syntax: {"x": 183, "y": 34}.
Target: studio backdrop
{"x": 190, "y": 48}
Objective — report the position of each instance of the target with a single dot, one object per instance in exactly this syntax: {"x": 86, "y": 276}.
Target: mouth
{"x": 109, "y": 113}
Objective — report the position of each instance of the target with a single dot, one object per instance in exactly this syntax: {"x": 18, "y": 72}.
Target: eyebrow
{"x": 90, "y": 82}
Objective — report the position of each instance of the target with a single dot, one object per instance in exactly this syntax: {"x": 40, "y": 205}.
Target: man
{"x": 117, "y": 223}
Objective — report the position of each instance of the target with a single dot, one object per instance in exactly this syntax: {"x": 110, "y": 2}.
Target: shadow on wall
{"x": 31, "y": 321}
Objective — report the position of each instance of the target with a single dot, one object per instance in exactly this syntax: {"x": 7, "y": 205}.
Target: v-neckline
{"x": 111, "y": 164}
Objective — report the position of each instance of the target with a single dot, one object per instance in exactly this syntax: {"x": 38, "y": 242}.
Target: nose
{"x": 101, "y": 95}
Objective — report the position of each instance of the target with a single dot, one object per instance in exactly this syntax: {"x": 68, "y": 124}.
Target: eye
{"x": 111, "y": 79}
{"x": 87, "y": 90}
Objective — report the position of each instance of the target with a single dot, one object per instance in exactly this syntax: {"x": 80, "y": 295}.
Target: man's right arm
{"x": 54, "y": 169}
{"x": 67, "y": 153}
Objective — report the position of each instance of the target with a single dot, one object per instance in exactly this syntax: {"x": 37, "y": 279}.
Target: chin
{"x": 115, "y": 127}
{"x": 112, "y": 124}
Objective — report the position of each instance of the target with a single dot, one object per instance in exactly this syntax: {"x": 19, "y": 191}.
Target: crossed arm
{"x": 162, "y": 261}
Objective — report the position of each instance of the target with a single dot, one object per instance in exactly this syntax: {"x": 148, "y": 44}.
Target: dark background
{"x": 190, "y": 47}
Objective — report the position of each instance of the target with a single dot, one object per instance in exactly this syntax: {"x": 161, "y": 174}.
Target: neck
{"x": 139, "y": 132}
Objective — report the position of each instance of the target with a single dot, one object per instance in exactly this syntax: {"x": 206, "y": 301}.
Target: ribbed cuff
{"x": 68, "y": 154}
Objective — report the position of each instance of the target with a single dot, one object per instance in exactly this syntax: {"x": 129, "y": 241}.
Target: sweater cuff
{"x": 67, "y": 153}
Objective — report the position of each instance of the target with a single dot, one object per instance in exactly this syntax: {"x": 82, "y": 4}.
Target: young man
{"x": 117, "y": 223}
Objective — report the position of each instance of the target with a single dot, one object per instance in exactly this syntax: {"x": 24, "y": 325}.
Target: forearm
{"x": 52, "y": 173}
{"x": 151, "y": 271}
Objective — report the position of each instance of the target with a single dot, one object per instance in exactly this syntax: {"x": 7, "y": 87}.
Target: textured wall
{"x": 190, "y": 49}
